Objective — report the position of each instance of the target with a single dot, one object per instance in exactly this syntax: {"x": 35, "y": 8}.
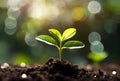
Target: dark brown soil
{"x": 56, "y": 70}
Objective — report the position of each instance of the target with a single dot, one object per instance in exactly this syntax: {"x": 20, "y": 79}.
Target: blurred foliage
{"x": 21, "y": 57}
{"x": 22, "y": 20}
{"x": 97, "y": 58}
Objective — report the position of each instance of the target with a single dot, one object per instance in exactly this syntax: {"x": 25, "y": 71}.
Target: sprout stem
{"x": 60, "y": 51}
{"x": 60, "y": 54}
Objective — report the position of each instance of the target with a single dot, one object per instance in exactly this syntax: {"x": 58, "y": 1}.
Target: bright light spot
{"x": 94, "y": 36}
{"x": 16, "y": 4}
{"x": 24, "y": 76}
{"x": 22, "y": 64}
{"x": 4, "y": 65}
{"x": 53, "y": 12}
{"x": 30, "y": 39}
{"x": 13, "y": 3}
{"x": 94, "y": 7}
{"x": 97, "y": 47}
{"x": 13, "y": 13}
{"x": 78, "y": 13}
{"x": 95, "y": 76}
{"x": 114, "y": 72}
{"x": 37, "y": 11}
{"x": 10, "y": 23}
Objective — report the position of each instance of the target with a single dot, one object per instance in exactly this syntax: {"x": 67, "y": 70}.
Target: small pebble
{"x": 4, "y": 65}
{"x": 24, "y": 76}
{"x": 88, "y": 67}
{"x": 114, "y": 72}
{"x": 95, "y": 76}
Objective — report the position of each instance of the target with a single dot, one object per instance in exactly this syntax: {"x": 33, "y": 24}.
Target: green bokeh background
{"x": 17, "y": 44}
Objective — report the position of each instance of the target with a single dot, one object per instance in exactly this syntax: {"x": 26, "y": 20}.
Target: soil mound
{"x": 56, "y": 70}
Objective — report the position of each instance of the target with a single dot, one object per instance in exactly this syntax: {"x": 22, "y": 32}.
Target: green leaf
{"x": 68, "y": 33}
{"x": 55, "y": 33}
{"x": 46, "y": 39}
{"x": 73, "y": 44}
{"x": 97, "y": 57}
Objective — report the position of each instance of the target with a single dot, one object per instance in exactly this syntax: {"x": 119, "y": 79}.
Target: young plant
{"x": 61, "y": 38}
{"x": 97, "y": 57}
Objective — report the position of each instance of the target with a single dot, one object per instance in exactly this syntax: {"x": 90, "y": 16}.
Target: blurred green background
{"x": 97, "y": 23}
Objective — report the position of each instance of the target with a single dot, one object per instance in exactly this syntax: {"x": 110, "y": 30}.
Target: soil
{"x": 56, "y": 70}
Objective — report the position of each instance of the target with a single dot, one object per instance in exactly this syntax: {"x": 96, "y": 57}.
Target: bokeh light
{"x": 97, "y": 47}
{"x": 13, "y": 13}
{"x": 10, "y": 23}
{"x": 30, "y": 39}
{"x": 94, "y": 39}
{"x": 97, "y": 22}
{"x": 10, "y": 26}
{"x": 37, "y": 10}
{"x": 94, "y": 7}
{"x": 16, "y": 4}
{"x": 41, "y": 10}
{"x": 10, "y": 31}
{"x": 78, "y": 13}
{"x": 94, "y": 36}
{"x": 22, "y": 64}
{"x": 13, "y": 4}
{"x": 20, "y": 58}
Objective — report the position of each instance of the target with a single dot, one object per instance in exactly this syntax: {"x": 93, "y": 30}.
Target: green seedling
{"x": 59, "y": 40}
{"x": 97, "y": 58}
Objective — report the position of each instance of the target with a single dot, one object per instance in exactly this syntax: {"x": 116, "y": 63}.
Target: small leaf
{"x": 55, "y": 33}
{"x": 73, "y": 44}
{"x": 46, "y": 39}
{"x": 68, "y": 33}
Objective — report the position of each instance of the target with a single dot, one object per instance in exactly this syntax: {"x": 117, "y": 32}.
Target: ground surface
{"x": 55, "y": 70}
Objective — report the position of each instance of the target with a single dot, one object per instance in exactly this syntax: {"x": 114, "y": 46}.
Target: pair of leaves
{"x": 67, "y": 34}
